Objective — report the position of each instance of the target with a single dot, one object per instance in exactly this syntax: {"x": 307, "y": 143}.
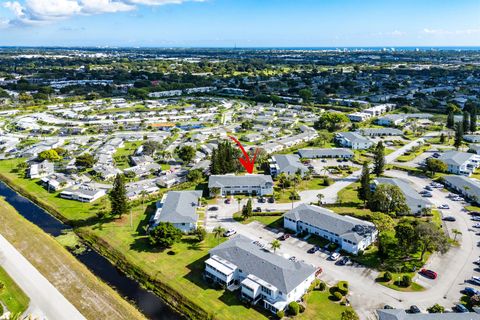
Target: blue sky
{"x": 244, "y": 23}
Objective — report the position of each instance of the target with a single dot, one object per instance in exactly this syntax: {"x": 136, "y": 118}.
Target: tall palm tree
{"x": 275, "y": 244}
{"x": 455, "y": 234}
{"x": 218, "y": 232}
{"x": 320, "y": 197}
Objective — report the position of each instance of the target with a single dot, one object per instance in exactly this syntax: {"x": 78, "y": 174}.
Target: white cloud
{"x": 34, "y": 12}
{"x": 441, "y": 32}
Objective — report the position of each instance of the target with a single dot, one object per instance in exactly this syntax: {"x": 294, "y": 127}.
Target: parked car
{"x": 460, "y": 308}
{"x": 475, "y": 280}
{"x": 257, "y": 209}
{"x": 424, "y": 192}
{"x": 271, "y": 200}
{"x": 284, "y": 236}
{"x": 414, "y": 309}
{"x": 458, "y": 199}
{"x": 476, "y": 225}
{"x": 334, "y": 256}
{"x": 474, "y": 213}
{"x": 471, "y": 291}
{"x": 229, "y": 232}
{"x": 228, "y": 201}
{"x": 429, "y": 273}
{"x": 262, "y": 200}
{"x": 313, "y": 249}
{"x": 476, "y": 218}
{"x": 429, "y": 188}
{"x": 213, "y": 208}
{"x": 449, "y": 218}
{"x": 444, "y": 206}
{"x": 293, "y": 258}
{"x": 427, "y": 195}
{"x": 387, "y": 307}
{"x": 343, "y": 261}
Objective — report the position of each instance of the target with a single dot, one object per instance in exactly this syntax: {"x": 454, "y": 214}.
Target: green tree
{"x": 118, "y": 197}
{"x": 473, "y": 119}
{"x": 364, "y": 191}
{"x": 320, "y": 197}
{"x": 293, "y": 308}
{"x": 406, "y": 236}
{"x": 379, "y": 159}
{"x": 200, "y": 233}
{"x": 50, "y": 155}
{"x": 164, "y": 235}
{"x": 224, "y": 159}
{"x": 247, "y": 210}
{"x": 435, "y": 165}
{"x": 195, "y": 175}
{"x": 456, "y": 233}
{"x": 186, "y": 153}
{"x": 458, "y": 136}
{"x": 331, "y": 121}
{"x": 349, "y": 314}
{"x": 466, "y": 121}
{"x": 450, "y": 120}
{"x": 389, "y": 199}
{"x": 275, "y": 245}
{"x": 85, "y": 160}
{"x": 305, "y": 94}
{"x": 247, "y": 125}
{"x": 442, "y": 138}
{"x": 431, "y": 238}
{"x": 218, "y": 232}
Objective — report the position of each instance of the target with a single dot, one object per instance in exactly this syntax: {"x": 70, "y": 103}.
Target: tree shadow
{"x": 142, "y": 244}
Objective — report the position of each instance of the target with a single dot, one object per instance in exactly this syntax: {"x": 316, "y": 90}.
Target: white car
{"x": 476, "y": 218}
{"x": 444, "y": 206}
{"x": 458, "y": 199}
{"x": 476, "y": 280}
{"x": 334, "y": 256}
{"x": 229, "y": 232}
{"x": 476, "y": 225}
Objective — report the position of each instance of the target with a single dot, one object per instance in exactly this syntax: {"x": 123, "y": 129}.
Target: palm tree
{"x": 320, "y": 197}
{"x": 218, "y": 231}
{"x": 143, "y": 194}
{"x": 275, "y": 244}
{"x": 282, "y": 180}
{"x": 455, "y": 234}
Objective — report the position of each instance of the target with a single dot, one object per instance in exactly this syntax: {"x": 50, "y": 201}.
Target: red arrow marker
{"x": 245, "y": 161}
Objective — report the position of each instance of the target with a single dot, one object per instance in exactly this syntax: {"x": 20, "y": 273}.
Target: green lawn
{"x": 319, "y": 306}
{"x": 394, "y": 283}
{"x": 122, "y": 155}
{"x": 275, "y": 222}
{"x": 412, "y": 155}
{"x": 11, "y": 295}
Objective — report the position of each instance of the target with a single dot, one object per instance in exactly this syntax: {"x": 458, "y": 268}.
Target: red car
{"x": 429, "y": 273}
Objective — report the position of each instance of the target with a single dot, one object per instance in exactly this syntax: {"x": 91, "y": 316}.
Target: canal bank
{"x": 147, "y": 302}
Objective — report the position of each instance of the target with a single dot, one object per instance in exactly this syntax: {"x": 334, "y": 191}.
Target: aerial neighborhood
{"x": 287, "y": 184}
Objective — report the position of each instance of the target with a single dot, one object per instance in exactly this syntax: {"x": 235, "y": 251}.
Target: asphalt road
{"x": 45, "y": 300}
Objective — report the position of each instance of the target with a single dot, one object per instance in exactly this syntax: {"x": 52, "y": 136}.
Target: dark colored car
{"x": 474, "y": 213}
{"x": 257, "y": 209}
{"x": 471, "y": 291}
{"x": 312, "y": 250}
{"x": 284, "y": 237}
{"x": 460, "y": 308}
{"x": 449, "y": 218}
{"x": 429, "y": 273}
{"x": 387, "y": 307}
{"x": 262, "y": 200}
{"x": 213, "y": 208}
{"x": 271, "y": 200}
{"x": 414, "y": 309}
{"x": 343, "y": 261}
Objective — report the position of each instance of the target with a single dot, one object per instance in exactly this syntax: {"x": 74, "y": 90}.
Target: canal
{"x": 152, "y": 306}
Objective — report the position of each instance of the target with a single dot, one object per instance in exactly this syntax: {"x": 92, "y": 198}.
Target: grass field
{"x": 394, "y": 283}
{"x": 121, "y": 156}
{"x": 319, "y": 306}
{"x": 11, "y": 295}
{"x": 93, "y": 298}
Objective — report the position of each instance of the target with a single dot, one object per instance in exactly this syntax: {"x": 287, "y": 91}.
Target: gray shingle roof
{"x": 327, "y": 152}
{"x": 251, "y": 259}
{"x": 180, "y": 207}
{"x": 246, "y": 180}
{"x": 353, "y": 137}
{"x": 289, "y": 162}
{"x": 460, "y": 182}
{"x": 398, "y": 314}
{"x": 455, "y": 158}
{"x": 329, "y": 220}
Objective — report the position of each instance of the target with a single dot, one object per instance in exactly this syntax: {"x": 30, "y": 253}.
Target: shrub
{"x": 436, "y": 308}
{"x": 406, "y": 281}
{"x": 337, "y": 296}
{"x": 343, "y": 287}
{"x": 280, "y": 314}
{"x": 387, "y": 276}
{"x": 302, "y": 308}
{"x": 322, "y": 286}
{"x": 314, "y": 285}
{"x": 293, "y": 308}
{"x": 2, "y": 286}
{"x": 1, "y": 309}
{"x": 327, "y": 182}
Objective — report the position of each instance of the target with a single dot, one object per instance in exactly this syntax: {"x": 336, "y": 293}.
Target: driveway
{"x": 45, "y": 300}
